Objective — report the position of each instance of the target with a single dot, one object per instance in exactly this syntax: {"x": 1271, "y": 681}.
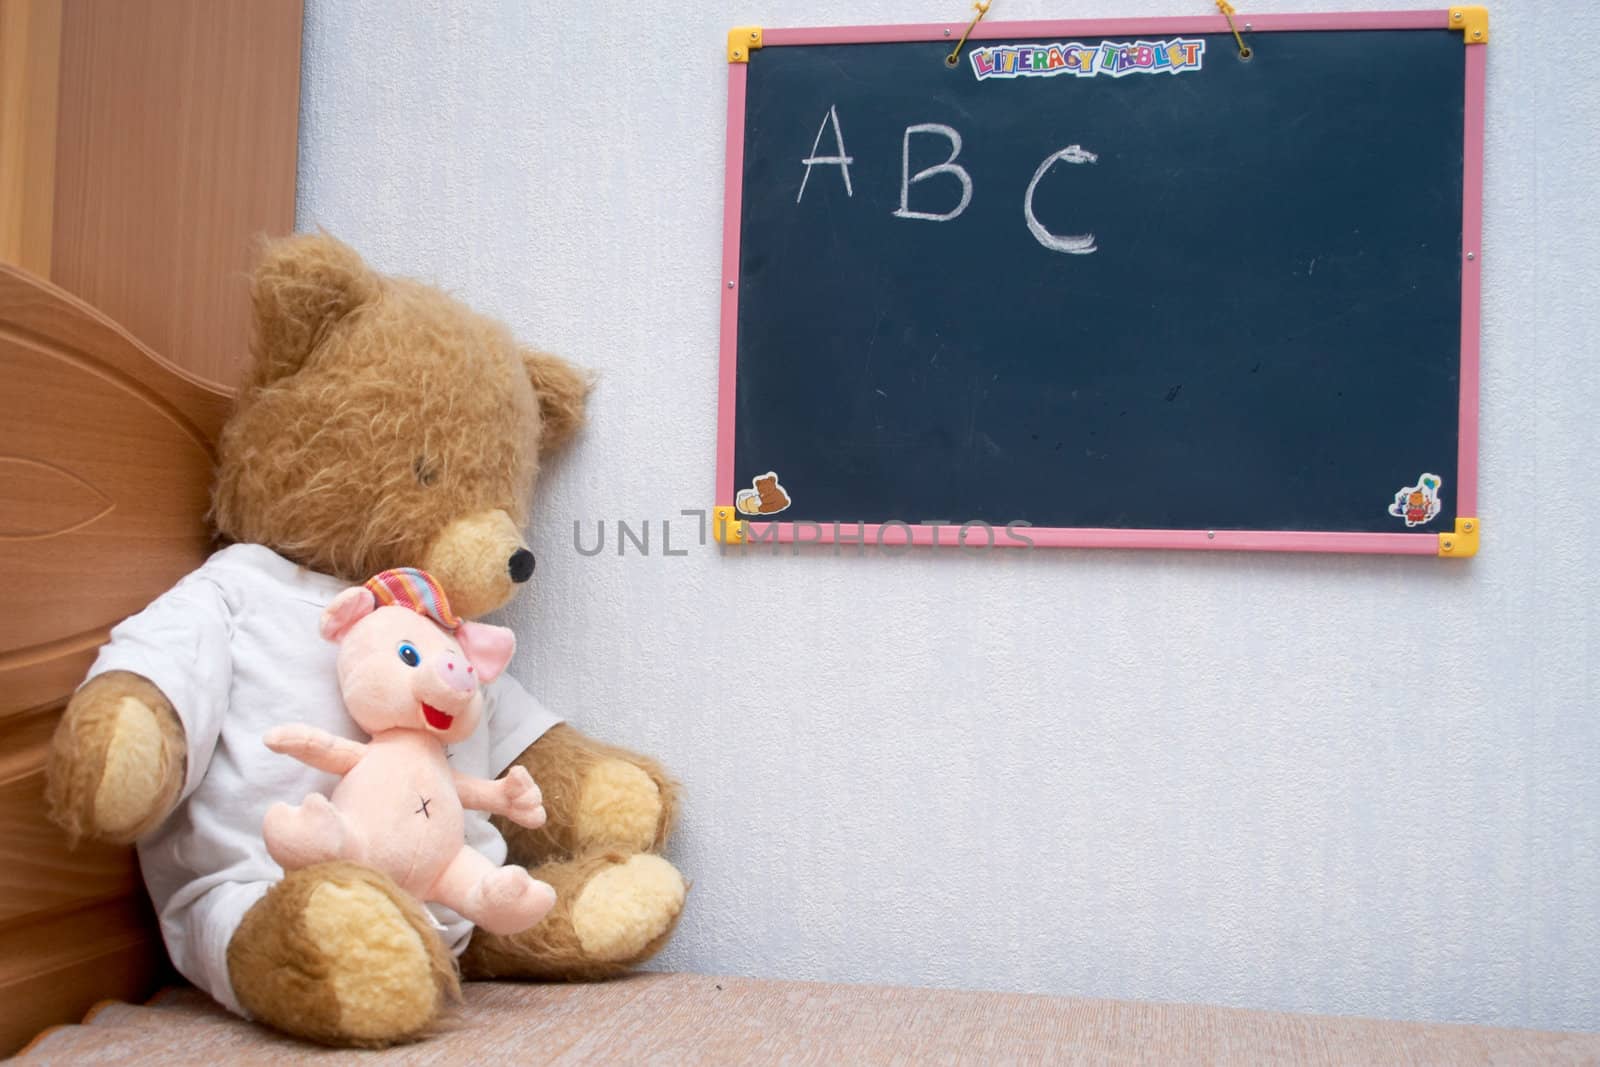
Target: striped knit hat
{"x": 408, "y": 587}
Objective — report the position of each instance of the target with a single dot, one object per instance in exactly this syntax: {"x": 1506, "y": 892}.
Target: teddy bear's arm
{"x": 139, "y": 734}
{"x": 314, "y": 747}
{"x": 515, "y": 796}
{"x": 118, "y": 729}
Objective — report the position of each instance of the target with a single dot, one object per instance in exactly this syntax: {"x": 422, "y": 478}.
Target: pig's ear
{"x": 347, "y": 609}
{"x": 488, "y": 648}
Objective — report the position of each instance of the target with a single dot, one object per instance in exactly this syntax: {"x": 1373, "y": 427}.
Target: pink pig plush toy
{"x": 409, "y": 670}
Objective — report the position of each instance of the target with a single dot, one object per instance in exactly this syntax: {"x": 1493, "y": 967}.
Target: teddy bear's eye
{"x": 409, "y": 654}
{"x": 426, "y": 475}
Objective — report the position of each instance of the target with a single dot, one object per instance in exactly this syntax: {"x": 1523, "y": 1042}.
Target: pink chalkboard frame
{"x": 1434, "y": 543}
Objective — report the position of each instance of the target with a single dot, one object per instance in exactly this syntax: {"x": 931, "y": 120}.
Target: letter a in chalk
{"x": 949, "y": 166}
{"x": 841, "y": 160}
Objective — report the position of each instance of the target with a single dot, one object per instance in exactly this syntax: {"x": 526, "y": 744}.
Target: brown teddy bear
{"x": 383, "y": 425}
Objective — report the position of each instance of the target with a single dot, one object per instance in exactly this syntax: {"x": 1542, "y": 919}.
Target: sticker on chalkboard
{"x": 1418, "y": 504}
{"x": 766, "y": 497}
{"x": 1111, "y": 58}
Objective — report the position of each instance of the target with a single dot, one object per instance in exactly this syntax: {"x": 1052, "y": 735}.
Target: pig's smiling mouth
{"x": 436, "y": 718}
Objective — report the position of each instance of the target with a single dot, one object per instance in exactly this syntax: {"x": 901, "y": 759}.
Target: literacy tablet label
{"x": 1111, "y": 58}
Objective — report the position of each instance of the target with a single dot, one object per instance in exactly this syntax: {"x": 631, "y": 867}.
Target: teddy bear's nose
{"x": 521, "y": 565}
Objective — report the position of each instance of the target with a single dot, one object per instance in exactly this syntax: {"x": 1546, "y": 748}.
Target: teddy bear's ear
{"x": 303, "y": 285}
{"x": 562, "y": 390}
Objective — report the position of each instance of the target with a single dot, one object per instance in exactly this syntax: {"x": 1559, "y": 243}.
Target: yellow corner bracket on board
{"x": 742, "y": 40}
{"x": 1473, "y": 22}
{"x": 1462, "y": 544}
{"x": 726, "y": 526}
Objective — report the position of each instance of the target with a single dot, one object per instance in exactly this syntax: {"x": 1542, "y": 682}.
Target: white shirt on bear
{"x": 236, "y": 649}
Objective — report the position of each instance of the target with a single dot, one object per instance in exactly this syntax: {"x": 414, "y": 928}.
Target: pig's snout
{"x": 456, "y": 673}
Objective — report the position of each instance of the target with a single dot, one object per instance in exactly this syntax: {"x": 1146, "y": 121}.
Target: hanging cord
{"x": 982, "y": 7}
{"x": 1227, "y": 13}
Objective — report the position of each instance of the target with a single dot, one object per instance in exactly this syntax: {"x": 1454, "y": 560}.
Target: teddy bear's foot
{"x": 339, "y": 954}
{"x": 624, "y": 913}
{"x": 612, "y": 911}
{"x": 596, "y": 796}
{"x": 116, "y": 760}
{"x": 619, "y": 806}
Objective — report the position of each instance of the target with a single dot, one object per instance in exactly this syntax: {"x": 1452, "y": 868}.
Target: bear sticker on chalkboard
{"x": 765, "y": 496}
{"x": 1417, "y": 504}
{"x": 1101, "y": 255}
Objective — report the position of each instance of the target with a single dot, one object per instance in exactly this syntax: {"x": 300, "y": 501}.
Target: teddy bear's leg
{"x": 596, "y": 796}
{"x": 612, "y": 911}
{"x": 339, "y": 954}
{"x": 116, "y": 761}
{"x": 500, "y": 899}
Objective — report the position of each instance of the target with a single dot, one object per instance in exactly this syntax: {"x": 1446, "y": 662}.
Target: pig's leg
{"x": 502, "y": 900}
{"x": 313, "y": 832}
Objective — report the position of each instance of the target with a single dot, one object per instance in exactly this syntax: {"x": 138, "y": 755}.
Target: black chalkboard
{"x": 1267, "y": 335}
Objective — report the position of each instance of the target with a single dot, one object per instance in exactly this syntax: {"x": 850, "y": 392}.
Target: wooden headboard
{"x": 106, "y": 452}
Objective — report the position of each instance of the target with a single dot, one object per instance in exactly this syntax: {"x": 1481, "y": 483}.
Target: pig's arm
{"x": 317, "y": 748}
{"x": 515, "y": 796}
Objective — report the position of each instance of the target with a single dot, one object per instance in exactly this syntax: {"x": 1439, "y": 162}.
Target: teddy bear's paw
{"x": 116, "y": 760}
{"x": 619, "y": 807}
{"x": 339, "y": 954}
{"x": 625, "y": 908}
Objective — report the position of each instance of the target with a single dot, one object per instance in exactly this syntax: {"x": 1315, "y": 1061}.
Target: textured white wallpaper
{"x": 1332, "y": 784}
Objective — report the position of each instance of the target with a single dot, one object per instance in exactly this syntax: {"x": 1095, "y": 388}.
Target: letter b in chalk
{"x": 949, "y": 166}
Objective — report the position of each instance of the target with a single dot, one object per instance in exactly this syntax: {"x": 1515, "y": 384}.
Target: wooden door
{"x": 144, "y": 146}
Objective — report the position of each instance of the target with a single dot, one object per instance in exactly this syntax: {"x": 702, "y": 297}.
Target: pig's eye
{"x": 409, "y": 654}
